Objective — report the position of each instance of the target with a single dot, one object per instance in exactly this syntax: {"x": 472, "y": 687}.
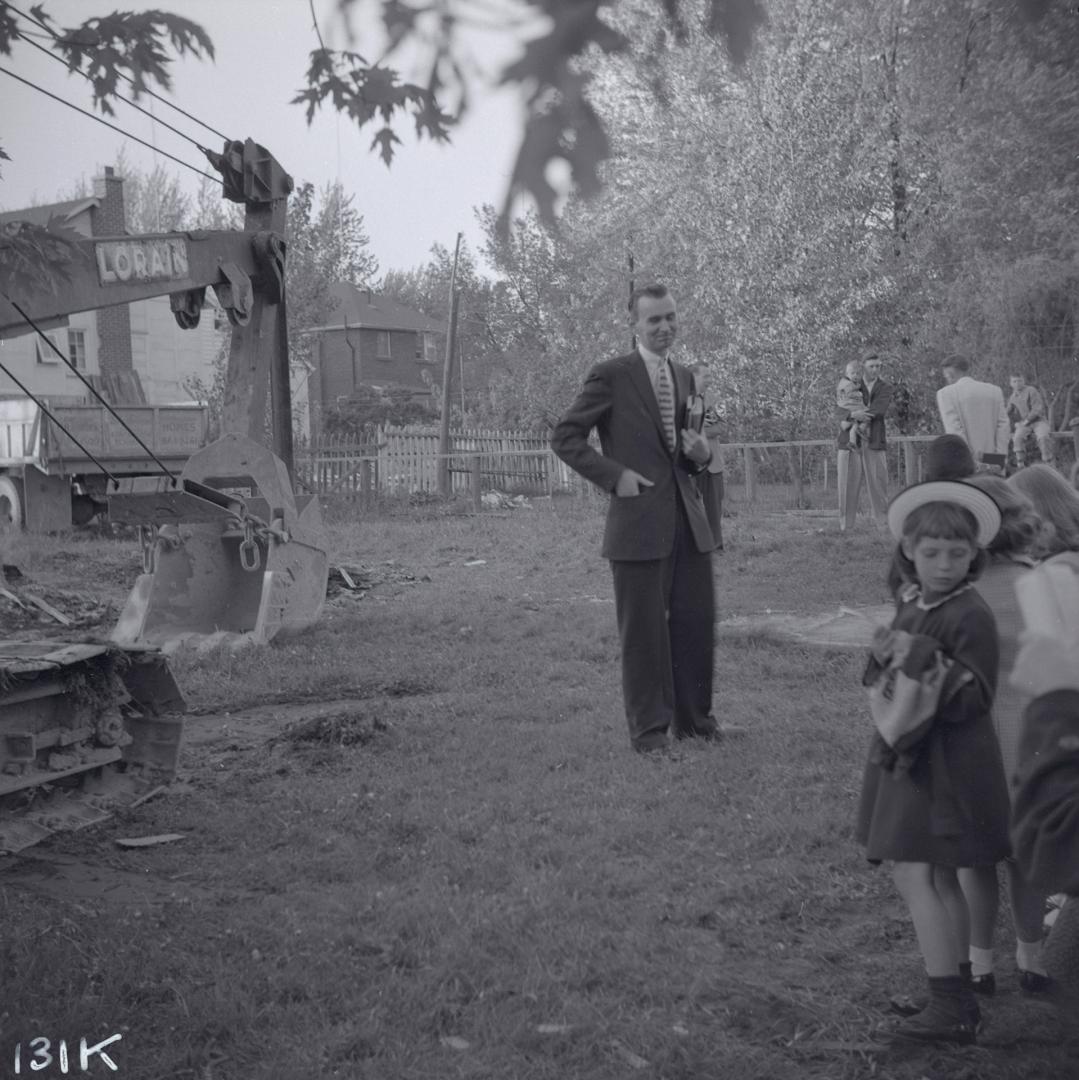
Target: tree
{"x": 367, "y": 409}
{"x": 879, "y": 172}
{"x": 154, "y": 201}
{"x": 561, "y": 123}
{"x": 480, "y": 349}
{"x": 327, "y": 244}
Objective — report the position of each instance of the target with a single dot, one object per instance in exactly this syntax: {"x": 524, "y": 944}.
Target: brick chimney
{"x": 113, "y": 323}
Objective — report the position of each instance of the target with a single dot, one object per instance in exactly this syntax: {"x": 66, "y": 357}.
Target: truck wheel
{"x": 10, "y": 503}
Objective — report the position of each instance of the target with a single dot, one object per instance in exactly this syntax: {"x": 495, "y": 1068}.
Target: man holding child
{"x": 864, "y": 456}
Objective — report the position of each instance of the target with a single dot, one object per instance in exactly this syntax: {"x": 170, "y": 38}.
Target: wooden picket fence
{"x": 404, "y": 461}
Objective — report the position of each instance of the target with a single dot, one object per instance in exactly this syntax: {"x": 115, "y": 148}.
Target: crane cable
{"x": 121, "y": 97}
{"x": 126, "y": 134}
{"x": 93, "y": 390}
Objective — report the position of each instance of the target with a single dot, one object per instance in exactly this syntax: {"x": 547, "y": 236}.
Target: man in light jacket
{"x": 976, "y": 412}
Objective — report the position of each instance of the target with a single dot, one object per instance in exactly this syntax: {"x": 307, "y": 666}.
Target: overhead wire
{"x": 48, "y": 341}
{"x": 127, "y": 78}
{"x": 134, "y": 104}
{"x": 114, "y": 127}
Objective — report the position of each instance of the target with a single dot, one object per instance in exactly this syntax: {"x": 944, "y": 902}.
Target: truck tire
{"x": 11, "y": 503}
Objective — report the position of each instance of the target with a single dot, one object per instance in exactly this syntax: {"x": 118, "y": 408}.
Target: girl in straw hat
{"x": 935, "y": 798}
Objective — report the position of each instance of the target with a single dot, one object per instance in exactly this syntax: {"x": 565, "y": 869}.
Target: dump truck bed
{"x": 29, "y": 437}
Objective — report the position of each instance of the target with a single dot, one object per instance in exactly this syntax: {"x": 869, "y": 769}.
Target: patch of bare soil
{"x": 846, "y": 628}
{"x": 211, "y": 741}
{"x": 65, "y": 877}
{"x": 72, "y": 593}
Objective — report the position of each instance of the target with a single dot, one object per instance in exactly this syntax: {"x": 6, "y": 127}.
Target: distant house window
{"x": 76, "y": 348}
{"x": 430, "y": 348}
{"x": 45, "y": 354}
{"x": 382, "y": 347}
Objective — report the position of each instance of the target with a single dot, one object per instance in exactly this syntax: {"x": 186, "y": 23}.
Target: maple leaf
{"x": 132, "y": 45}
{"x": 399, "y": 20}
{"x": 736, "y": 21}
{"x": 575, "y": 28}
{"x": 9, "y": 31}
{"x": 433, "y": 122}
{"x": 385, "y": 140}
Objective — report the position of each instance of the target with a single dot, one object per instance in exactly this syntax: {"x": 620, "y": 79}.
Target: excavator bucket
{"x": 231, "y": 549}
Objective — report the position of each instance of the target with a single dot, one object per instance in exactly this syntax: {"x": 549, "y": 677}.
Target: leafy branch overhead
{"x": 556, "y": 37}
{"x": 368, "y": 92}
{"x": 133, "y": 46}
{"x": 35, "y": 258}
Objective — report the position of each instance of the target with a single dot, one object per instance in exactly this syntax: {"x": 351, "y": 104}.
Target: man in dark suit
{"x": 657, "y": 536}
{"x": 868, "y": 462}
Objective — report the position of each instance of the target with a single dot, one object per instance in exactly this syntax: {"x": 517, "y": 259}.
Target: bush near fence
{"x": 404, "y": 461}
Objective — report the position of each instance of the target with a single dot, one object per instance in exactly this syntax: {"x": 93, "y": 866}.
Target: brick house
{"x": 373, "y": 341}
{"x": 132, "y": 353}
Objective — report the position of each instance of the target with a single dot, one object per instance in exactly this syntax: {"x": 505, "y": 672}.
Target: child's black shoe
{"x": 936, "y": 1024}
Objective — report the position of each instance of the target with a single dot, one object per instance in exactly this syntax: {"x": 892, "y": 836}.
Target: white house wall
{"x": 49, "y": 378}
{"x": 167, "y": 357}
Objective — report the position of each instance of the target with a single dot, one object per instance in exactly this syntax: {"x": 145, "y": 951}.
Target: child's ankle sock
{"x": 981, "y": 961}
{"x": 1028, "y": 956}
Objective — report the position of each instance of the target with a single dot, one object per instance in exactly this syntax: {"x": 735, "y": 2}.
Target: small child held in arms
{"x": 848, "y": 395}
{"x": 934, "y": 798}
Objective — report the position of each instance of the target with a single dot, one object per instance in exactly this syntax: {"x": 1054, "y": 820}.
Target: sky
{"x": 262, "y": 51}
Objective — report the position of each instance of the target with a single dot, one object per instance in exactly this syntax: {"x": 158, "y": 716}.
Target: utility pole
{"x": 461, "y": 376}
{"x": 447, "y": 381}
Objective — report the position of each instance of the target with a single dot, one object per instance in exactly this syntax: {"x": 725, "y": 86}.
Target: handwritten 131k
{"x": 39, "y": 1056}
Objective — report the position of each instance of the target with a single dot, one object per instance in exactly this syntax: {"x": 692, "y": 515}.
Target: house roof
{"x": 358, "y": 308}
{"x": 40, "y": 215}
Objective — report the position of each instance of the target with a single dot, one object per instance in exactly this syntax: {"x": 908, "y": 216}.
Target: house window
{"x": 382, "y": 346}
{"x": 430, "y": 348}
{"x": 76, "y": 348}
{"x": 45, "y": 355}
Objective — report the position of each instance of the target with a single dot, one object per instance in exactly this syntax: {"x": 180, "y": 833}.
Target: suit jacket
{"x": 975, "y": 411}
{"x": 618, "y": 401}
{"x": 878, "y": 402}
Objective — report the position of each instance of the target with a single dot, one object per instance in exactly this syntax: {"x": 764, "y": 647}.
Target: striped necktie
{"x": 665, "y": 400}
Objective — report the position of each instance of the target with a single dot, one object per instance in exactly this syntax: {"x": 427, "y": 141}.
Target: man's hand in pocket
{"x": 631, "y": 483}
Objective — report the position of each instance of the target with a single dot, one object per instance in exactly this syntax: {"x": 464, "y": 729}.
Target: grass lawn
{"x": 448, "y": 862}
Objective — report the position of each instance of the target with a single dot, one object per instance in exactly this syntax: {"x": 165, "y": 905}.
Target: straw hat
{"x": 979, "y": 503}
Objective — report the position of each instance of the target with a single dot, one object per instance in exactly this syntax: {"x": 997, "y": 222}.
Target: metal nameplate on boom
{"x": 145, "y": 259}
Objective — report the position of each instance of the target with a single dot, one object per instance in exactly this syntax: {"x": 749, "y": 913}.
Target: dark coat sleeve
{"x": 968, "y": 637}
{"x": 975, "y": 647}
{"x": 569, "y": 440}
{"x": 1045, "y": 812}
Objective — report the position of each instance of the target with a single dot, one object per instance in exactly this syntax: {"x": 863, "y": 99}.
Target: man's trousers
{"x": 666, "y": 615}
{"x": 852, "y": 466}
